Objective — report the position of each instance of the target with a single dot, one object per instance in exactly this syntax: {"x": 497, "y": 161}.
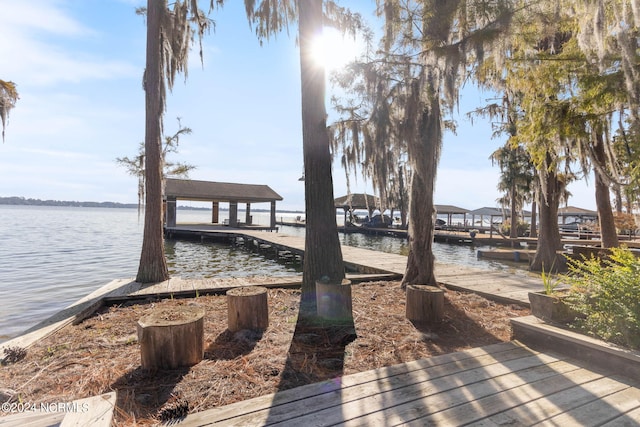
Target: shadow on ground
{"x": 144, "y": 393}
{"x": 229, "y": 345}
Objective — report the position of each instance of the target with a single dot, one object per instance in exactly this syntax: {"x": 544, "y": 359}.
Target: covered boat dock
{"x": 217, "y": 192}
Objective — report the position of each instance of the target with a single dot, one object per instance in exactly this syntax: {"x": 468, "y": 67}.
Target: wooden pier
{"x": 503, "y": 286}
{"x": 453, "y": 235}
{"x": 513, "y": 255}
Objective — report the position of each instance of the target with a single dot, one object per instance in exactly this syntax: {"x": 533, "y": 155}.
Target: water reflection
{"x": 189, "y": 259}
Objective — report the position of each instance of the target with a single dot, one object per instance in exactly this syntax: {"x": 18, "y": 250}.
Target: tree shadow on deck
{"x": 375, "y": 395}
{"x": 316, "y": 354}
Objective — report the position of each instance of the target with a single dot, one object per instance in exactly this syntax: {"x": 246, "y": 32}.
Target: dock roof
{"x": 492, "y": 211}
{"x": 205, "y": 191}
{"x": 357, "y": 201}
{"x": 576, "y": 211}
{"x": 449, "y": 209}
{"x": 487, "y": 211}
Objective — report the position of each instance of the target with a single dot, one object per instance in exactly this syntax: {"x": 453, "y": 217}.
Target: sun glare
{"x": 335, "y": 50}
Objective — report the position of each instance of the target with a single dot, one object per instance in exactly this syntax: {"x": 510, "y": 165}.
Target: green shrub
{"x": 606, "y": 292}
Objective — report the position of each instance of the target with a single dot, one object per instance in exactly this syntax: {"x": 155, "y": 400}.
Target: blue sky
{"x": 78, "y": 67}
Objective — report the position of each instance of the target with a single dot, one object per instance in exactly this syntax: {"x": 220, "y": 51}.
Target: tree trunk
{"x": 425, "y": 304}
{"x": 534, "y": 219}
{"x": 334, "y": 301}
{"x": 153, "y": 265}
{"x": 513, "y": 231}
{"x": 403, "y": 203}
{"x": 608, "y": 232}
{"x": 549, "y": 241}
{"x": 323, "y": 255}
{"x": 618, "y": 195}
{"x": 172, "y": 337}
{"x": 248, "y": 308}
{"x": 424, "y": 153}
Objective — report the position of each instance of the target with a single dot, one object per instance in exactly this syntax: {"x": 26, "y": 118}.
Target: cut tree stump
{"x": 334, "y": 301}
{"x": 248, "y": 308}
{"x": 172, "y": 337}
{"x": 425, "y": 304}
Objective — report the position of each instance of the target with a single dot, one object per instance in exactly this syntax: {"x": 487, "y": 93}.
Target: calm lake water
{"x": 53, "y": 256}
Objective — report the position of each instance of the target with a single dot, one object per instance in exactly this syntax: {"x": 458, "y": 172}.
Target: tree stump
{"x": 248, "y": 308}
{"x": 334, "y": 301}
{"x": 172, "y": 337}
{"x": 425, "y": 304}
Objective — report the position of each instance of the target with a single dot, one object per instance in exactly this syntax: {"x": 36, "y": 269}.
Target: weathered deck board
{"x": 470, "y": 403}
{"x": 186, "y": 286}
{"x": 32, "y": 419}
{"x": 374, "y": 405}
{"x": 317, "y": 390}
{"x": 598, "y": 410}
{"x": 628, "y": 419}
{"x": 95, "y": 411}
{"x": 485, "y": 386}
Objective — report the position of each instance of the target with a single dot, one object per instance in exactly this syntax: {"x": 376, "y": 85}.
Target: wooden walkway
{"x": 501, "y": 384}
{"x": 503, "y": 286}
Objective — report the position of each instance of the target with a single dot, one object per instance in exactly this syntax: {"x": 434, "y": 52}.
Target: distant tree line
{"x": 15, "y": 200}
{"x": 37, "y": 202}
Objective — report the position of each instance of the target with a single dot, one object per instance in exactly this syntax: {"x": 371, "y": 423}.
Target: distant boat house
{"x": 502, "y": 213}
{"x": 450, "y": 211}
{"x": 216, "y": 193}
{"x": 363, "y": 201}
{"x": 490, "y": 212}
{"x": 357, "y": 201}
{"x": 354, "y": 201}
{"x": 576, "y": 214}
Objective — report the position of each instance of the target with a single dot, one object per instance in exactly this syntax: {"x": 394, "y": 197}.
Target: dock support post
{"x": 272, "y": 223}
{"x": 247, "y": 214}
{"x": 233, "y": 214}
{"x": 215, "y": 212}
{"x": 170, "y": 218}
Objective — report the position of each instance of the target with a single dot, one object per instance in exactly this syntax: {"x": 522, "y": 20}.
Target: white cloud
{"x": 37, "y": 32}
{"x": 41, "y": 16}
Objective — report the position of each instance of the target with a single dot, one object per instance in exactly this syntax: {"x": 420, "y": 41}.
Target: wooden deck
{"x": 502, "y": 384}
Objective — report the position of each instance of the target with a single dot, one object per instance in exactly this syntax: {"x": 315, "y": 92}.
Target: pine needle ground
{"x": 102, "y": 354}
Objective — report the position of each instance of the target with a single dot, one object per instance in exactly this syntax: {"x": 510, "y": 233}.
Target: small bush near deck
{"x": 607, "y": 293}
